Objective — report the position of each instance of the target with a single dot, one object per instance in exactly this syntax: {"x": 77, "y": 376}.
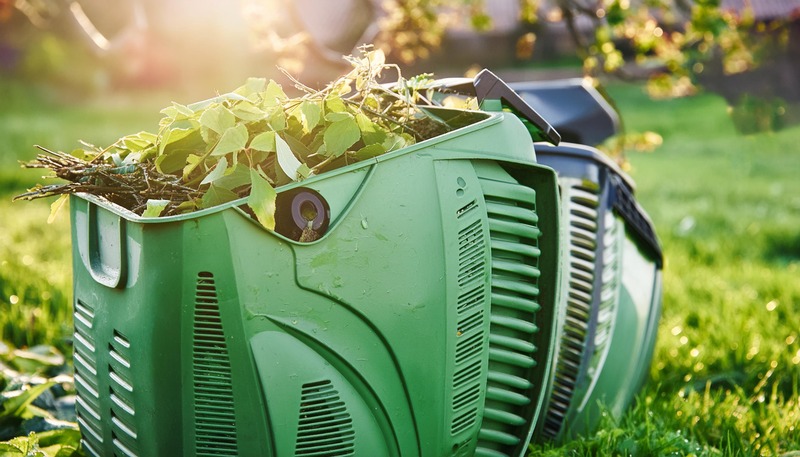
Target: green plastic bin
{"x": 612, "y": 264}
{"x": 420, "y": 323}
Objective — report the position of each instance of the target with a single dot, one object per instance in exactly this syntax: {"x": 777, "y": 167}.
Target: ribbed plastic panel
{"x": 582, "y": 219}
{"x": 215, "y": 420}
{"x": 514, "y": 235}
{"x": 325, "y": 428}
{"x": 609, "y": 291}
{"x": 87, "y": 403}
{"x": 468, "y": 369}
{"x": 123, "y": 412}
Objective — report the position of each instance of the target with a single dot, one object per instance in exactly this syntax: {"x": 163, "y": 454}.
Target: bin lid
{"x": 575, "y": 107}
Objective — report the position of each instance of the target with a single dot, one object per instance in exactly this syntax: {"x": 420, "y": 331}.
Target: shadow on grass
{"x": 782, "y": 247}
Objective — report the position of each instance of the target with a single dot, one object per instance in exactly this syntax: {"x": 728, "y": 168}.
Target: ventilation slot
{"x": 325, "y": 428}
{"x": 471, "y": 253}
{"x": 514, "y": 304}
{"x": 466, "y": 209}
{"x": 471, "y": 324}
{"x": 85, "y": 360}
{"x": 215, "y": 421}
{"x": 582, "y": 223}
{"x": 123, "y": 414}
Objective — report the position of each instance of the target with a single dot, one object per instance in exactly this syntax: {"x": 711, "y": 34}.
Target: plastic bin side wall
{"x": 208, "y": 335}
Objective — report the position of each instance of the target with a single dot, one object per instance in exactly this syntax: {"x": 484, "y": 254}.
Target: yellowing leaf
{"x": 310, "y": 115}
{"x": 340, "y": 135}
{"x": 262, "y": 200}
{"x": 56, "y": 206}
{"x": 286, "y": 158}
{"x": 233, "y": 140}
{"x": 192, "y": 161}
{"x": 155, "y": 208}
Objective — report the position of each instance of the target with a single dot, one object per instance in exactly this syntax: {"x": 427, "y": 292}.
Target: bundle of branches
{"x": 245, "y": 143}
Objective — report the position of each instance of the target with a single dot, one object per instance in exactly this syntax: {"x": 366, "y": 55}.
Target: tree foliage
{"x": 668, "y": 41}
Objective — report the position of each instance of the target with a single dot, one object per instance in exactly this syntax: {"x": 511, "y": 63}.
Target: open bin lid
{"x": 575, "y": 107}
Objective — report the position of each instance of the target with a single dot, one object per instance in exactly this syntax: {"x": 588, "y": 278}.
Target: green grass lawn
{"x": 726, "y": 368}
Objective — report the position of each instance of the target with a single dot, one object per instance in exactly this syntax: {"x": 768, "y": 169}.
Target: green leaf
{"x": 173, "y": 136}
{"x": 217, "y": 172}
{"x": 338, "y": 116}
{"x": 286, "y": 158}
{"x": 67, "y": 437}
{"x": 216, "y": 195}
{"x": 36, "y": 358}
{"x": 277, "y": 120}
{"x": 371, "y": 132}
{"x": 248, "y": 112}
{"x": 262, "y": 200}
{"x": 235, "y": 177}
{"x": 263, "y": 142}
{"x": 370, "y": 151}
{"x": 233, "y": 140}
{"x": 15, "y": 404}
{"x": 177, "y": 112}
{"x": 218, "y": 118}
{"x": 273, "y": 95}
{"x": 155, "y": 207}
{"x": 174, "y": 161}
{"x": 56, "y": 206}
{"x": 393, "y": 142}
{"x": 201, "y": 105}
{"x": 139, "y": 141}
{"x": 340, "y": 135}
{"x": 334, "y": 104}
{"x": 253, "y": 87}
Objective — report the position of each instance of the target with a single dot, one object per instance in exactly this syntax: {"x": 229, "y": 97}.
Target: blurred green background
{"x": 725, "y": 378}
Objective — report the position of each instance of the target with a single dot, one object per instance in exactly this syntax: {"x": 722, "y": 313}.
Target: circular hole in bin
{"x": 301, "y": 214}
{"x": 461, "y": 182}
{"x": 308, "y": 211}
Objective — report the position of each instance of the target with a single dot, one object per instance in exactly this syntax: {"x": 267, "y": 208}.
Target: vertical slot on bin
{"x": 214, "y": 415}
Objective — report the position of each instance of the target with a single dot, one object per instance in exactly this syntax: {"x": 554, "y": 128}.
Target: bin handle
{"x": 107, "y": 248}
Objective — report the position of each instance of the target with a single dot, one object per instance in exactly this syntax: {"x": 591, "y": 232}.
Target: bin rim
{"x": 585, "y": 152}
{"x": 490, "y": 118}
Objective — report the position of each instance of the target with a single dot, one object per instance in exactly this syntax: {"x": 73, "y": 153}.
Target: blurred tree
{"x": 669, "y": 41}
{"x": 666, "y": 40}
